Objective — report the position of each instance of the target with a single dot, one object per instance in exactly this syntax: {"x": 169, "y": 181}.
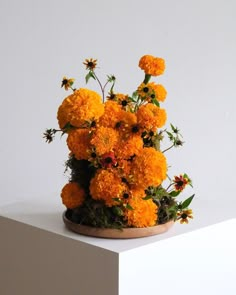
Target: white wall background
{"x": 43, "y": 40}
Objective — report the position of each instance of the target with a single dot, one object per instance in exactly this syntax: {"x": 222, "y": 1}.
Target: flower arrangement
{"x": 117, "y": 168}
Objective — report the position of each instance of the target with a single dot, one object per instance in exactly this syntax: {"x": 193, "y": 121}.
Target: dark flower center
{"x": 123, "y": 179}
{"x": 93, "y": 155}
{"x": 125, "y": 196}
{"x": 151, "y": 133}
{"x": 184, "y": 215}
{"x": 145, "y": 89}
{"x": 108, "y": 160}
{"x": 93, "y": 124}
{"x": 180, "y": 183}
{"x": 118, "y": 124}
{"x": 153, "y": 96}
{"x": 124, "y": 103}
{"x": 90, "y": 64}
{"x": 135, "y": 129}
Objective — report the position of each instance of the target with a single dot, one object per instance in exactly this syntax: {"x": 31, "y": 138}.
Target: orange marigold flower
{"x": 128, "y": 118}
{"x": 78, "y": 142}
{"x": 151, "y": 65}
{"x": 144, "y": 213}
{"x": 184, "y": 215}
{"x": 149, "y": 168}
{"x": 107, "y": 185}
{"x": 127, "y": 125}
{"x": 151, "y": 117}
{"x": 112, "y": 114}
{"x": 123, "y": 168}
{"x": 64, "y": 111}
{"x": 137, "y": 193}
{"x": 80, "y": 107}
{"x": 126, "y": 148}
{"x": 72, "y": 195}
{"x": 104, "y": 139}
{"x": 159, "y": 90}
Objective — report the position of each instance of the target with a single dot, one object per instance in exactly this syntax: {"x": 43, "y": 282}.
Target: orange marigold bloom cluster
{"x": 82, "y": 106}
{"x": 78, "y": 142}
{"x": 151, "y": 65}
{"x": 104, "y": 139}
{"x": 72, "y": 195}
{"x": 151, "y": 91}
{"x": 107, "y": 185}
{"x": 129, "y": 147}
{"x": 127, "y": 121}
{"x": 151, "y": 117}
{"x": 160, "y": 91}
{"x": 144, "y": 213}
{"x": 149, "y": 168}
{"x": 115, "y": 158}
{"x": 112, "y": 114}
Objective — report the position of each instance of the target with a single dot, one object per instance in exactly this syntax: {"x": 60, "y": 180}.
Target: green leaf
{"x": 172, "y": 208}
{"x": 147, "y": 198}
{"x": 156, "y": 143}
{"x": 156, "y": 102}
{"x": 171, "y": 137}
{"x": 135, "y": 94}
{"x": 187, "y": 202}
{"x": 174, "y": 193}
{"x": 174, "y": 129}
{"x": 190, "y": 181}
{"x": 118, "y": 211}
{"x": 67, "y": 128}
{"x": 117, "y": 200}
{"x": 89, "y": 75}
{"x": 129, "y": 207}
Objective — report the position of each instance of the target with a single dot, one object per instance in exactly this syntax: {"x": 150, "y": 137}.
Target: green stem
{"x": 100, "y": 84}
{"x": 169, "y": 186}
{"x": 168, "y": 148}
{"x": 147, "y": 78}
{"x": 72, "y": 88}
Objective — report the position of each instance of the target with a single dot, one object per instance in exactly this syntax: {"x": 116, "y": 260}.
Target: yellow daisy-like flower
{"x": 104, "y": 139}
{"x": 80, "y": 107}
{"x": 72, "y": 195}
{"x": 123, "y": 100}
{"x": 112, "y": 114}
{"x": 149, "y": 168}
{"x": 184, "y": 215}
{"x": 126, "y": 148}
{"x": 151, "y": 65}
{"x": 144, "y": 213}
{"x": 90, "y": 63}
{"x": 67, "y": 82}
{"x": 151, "y": 117}
{"x": 107, "y": 185}
{"x": 78, "y": 142}
{"x": 159, "y": 90}
{"x": 144, "y": 90}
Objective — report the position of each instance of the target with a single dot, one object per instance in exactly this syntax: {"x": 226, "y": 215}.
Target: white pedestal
{"x": 38, "y": 255}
